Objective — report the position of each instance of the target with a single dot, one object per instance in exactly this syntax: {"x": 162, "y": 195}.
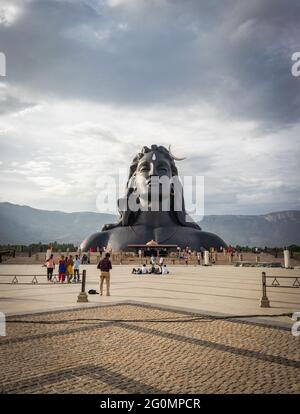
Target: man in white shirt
{"x": 161, "y": 262}
{"x": 76, "y": 264}
{"x": 144, "y": 269}
{"x": 164, "y": 270}
{"x": 153, "y": 263}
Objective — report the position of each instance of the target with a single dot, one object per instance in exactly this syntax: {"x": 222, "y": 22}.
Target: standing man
{"x": 161, "y": 262}
{"x": 105, "y": 267}
{"x": 153, "y": 263}
{"x": 76, "y": 265}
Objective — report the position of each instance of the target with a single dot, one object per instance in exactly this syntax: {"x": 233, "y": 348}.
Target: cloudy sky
{"x": 89, "y": 82}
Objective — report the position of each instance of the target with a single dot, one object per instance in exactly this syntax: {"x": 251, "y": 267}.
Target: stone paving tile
{"x": 136, "y": 349}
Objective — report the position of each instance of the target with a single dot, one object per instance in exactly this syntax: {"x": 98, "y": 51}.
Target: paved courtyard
{"x": 141, "y": 349}
{"x": 225, "y": 290}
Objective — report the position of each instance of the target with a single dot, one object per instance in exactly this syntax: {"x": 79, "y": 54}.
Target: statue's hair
{"x": 128, "y": 217}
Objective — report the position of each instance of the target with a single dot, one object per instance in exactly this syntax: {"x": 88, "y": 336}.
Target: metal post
{"x": 83, "y": 297}
{"x": 287, "y": 259}
{"x": 264, "y": 303}
{"x": 206, "y": 258}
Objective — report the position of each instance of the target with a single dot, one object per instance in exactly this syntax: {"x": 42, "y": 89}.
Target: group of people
{"x": 68, "y": 268}
{"x": 158, "y": 269}
{"x": 163, "y": 270}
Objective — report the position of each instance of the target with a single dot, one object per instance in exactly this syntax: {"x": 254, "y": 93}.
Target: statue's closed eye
{"x": 144, "y": 167}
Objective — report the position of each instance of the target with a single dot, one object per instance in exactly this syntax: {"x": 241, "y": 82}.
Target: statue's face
{"x": 153, "y": 164}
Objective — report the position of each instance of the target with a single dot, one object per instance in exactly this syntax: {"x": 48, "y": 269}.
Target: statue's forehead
{"x": 153, "y": 156}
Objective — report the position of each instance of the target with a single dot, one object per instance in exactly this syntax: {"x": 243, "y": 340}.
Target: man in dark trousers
{"x": 105, "y": 267}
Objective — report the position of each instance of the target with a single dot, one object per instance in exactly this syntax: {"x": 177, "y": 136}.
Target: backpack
{"x": 93, "y": 292}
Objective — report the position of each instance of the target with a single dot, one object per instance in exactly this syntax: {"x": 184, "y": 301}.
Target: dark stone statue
{"x": 141, "y": 225}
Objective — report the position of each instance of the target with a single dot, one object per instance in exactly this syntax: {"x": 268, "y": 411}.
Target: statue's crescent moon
{"x": 173, "y": 156}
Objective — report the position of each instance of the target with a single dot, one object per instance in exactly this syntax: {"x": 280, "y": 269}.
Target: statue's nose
{"x": 153, "y": 169}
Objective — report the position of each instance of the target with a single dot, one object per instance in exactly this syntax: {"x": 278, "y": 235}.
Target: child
{"x": 62, "y": 269}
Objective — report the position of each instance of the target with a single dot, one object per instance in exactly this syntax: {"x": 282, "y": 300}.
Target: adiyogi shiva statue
{"x": 144, "y": 218}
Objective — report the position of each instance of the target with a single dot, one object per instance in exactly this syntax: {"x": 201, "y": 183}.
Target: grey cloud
{"x": 151, "y": 67}
{"x": 197, "y": 165}
{"x": 94, "y": 131}
{"x": 232, "y": 55}
{"x": 10, "y": 104}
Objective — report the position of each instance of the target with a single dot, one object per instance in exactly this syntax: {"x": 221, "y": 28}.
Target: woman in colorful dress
{"x": 62, "y": 269}
{"x": 70, "y": 269}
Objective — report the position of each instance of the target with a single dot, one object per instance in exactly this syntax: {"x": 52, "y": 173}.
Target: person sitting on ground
{"x": 165, "y": 270}
{"x": 144, "y": 269}
{"x": 134, "y": 270}
{"x": 137, "y": 271}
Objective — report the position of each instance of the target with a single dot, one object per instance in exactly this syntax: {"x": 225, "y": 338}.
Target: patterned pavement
{"x": 141, "y": 349}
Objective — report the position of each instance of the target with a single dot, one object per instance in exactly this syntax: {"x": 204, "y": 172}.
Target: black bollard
{"x": 264, "y": 303}
{"x": 82, "y": 297}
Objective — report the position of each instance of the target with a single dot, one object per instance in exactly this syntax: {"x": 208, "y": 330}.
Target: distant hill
{"x": 24, "y": 225}
{"x": 272, "y": 229}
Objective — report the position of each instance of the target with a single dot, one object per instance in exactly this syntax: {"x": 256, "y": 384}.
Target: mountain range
{"x": 25, "y": 225}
